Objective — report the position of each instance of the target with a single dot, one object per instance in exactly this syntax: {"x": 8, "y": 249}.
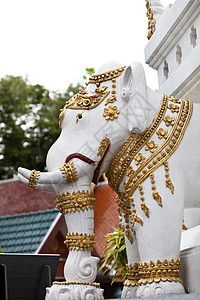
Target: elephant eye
{"x": 79, "y": 117}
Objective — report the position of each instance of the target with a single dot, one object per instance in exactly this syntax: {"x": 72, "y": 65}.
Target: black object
{"x": 26, "y": 276}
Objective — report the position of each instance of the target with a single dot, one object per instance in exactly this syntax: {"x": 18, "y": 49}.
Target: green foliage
{"x": 28, "y": 122}
{"x": 115, "y": 254}
{"x": 90, "y": 71}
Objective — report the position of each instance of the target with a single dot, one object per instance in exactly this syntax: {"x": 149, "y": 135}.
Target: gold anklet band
{"x": 80, "y": 241}
{"x": 132, "y": 274}
{"x": 143, "y": 273}
{"x": 67, "y": 203}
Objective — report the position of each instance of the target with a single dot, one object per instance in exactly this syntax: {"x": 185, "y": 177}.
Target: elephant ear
{"x": 134, "y": 90}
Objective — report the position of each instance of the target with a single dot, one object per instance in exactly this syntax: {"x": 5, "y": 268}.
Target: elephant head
{"x": 94, "y": 124}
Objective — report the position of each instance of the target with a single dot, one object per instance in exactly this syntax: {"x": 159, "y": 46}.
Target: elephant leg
{"x": 159, "y": 245}
{"x": 130, "y": 287}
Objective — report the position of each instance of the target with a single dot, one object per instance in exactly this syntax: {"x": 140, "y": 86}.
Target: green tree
{"x": 29, "y": 122}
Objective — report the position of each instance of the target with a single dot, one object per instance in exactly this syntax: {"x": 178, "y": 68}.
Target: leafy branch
{"x": 115, "y": 255}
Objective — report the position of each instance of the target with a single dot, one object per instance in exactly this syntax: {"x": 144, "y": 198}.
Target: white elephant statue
{"x": 147, "y": 145}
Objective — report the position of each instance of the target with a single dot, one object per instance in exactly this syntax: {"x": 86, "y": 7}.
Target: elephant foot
{"x": 159, "y": 289}
{"x": 128, "y": 292}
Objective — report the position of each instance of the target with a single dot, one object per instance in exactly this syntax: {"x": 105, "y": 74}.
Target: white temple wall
{"x": 174, "y": 50}
{"x": 185, "y": 45}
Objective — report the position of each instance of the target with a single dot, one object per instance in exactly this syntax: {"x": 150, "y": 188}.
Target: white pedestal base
{"x": 74, "y": 291}
{"x": 159, "y": 289}
{"x": 129, "y": 292}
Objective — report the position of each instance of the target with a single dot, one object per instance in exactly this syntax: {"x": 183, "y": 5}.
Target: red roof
{"x": 17, "y": 198}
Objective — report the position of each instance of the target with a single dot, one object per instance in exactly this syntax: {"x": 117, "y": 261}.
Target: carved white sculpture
{"x": 160, "y": 235}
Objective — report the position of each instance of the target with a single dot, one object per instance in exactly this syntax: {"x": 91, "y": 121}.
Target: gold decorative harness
{"x": 168, "y": 129}
{"x": 84, "y": 101}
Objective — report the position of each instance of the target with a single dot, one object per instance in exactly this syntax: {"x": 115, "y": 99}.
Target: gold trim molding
{"x": 151, "y": 20}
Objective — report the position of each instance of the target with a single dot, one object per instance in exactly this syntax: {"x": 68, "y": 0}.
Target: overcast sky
{"x": 52, "y": 42}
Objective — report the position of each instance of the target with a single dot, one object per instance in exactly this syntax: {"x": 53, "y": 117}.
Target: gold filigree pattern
{"x": 151, "y": 146}
{"x": 131, "y": 147}
{"x": 103, "y": 151}
{"x": 145, "y": 209}
{"x": 186, "y": 107}
{"x": 80, "y": 241}
{"x": 173, "y": 107}
{"x": 67, "y": 203}
{"x": 61, "y": 115}
{"x": 107, "y": 75}
{"x": 69, "y": 172}
{"x": 175, "y": 100}
{"x": 135, "y": 218}
{"x": 157, "y": 197}
{"x": 111, "y": 99}
{"x": 104, "y": 146}
{"x": 87, "y": 102}
{"x": 162, "y": 133}
{"x": 121, "y": 163}
{"x": 139, "y": 159}
{"x": 84, "y": 100}
{"x": 123, "y": 205}
{"x": 129, "y": 171}
{"x": 169, "y": 120}
{"x": 170, "y": 185}
{"x": 128, "y": 235}
{"x": 111, "y": 112}
{"x": 168, "y": 180}
{"x": 33, "y": 179}
{"x": 151, "y": 20}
